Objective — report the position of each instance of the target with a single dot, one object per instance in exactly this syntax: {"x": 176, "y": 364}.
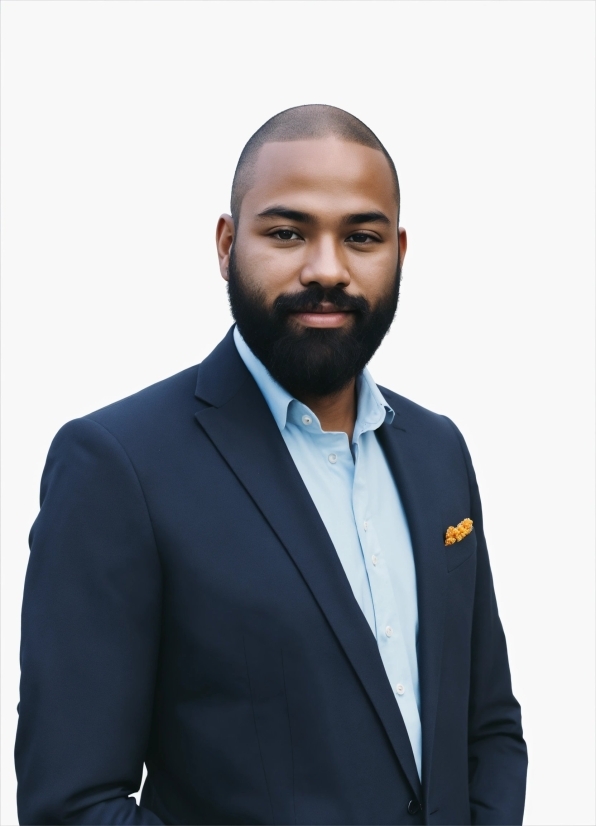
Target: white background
{"x": 121, "y": 126}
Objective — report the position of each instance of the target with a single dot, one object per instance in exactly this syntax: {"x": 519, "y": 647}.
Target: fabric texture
{"x": 185, "y": 607}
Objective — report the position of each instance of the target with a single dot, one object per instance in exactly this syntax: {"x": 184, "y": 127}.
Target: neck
{"x": 336, "y": 412}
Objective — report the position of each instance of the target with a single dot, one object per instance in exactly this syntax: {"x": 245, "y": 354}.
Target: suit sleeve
{"x": 497, "y": 752}
{"x": 90, "y": 637}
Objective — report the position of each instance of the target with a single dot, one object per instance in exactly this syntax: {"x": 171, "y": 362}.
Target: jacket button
{"x": 413, "y": 807}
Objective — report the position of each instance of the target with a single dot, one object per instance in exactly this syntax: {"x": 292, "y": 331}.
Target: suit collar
{"x": 221, "y": 374}
{"x": 411, "y": 463}
{"x": 241, "y": 427}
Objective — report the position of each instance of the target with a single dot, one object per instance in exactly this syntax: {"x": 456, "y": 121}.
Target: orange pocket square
{"x": 460, "y": 531}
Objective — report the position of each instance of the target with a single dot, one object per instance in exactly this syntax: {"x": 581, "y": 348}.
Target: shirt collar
{"x": 276, "y": 397}
{"x": 372, "y": 410}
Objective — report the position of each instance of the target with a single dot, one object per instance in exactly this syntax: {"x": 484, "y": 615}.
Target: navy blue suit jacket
{"x": 185, "y": 608}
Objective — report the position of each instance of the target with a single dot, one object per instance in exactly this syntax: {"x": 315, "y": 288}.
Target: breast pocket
{"x": 457, "y": 553}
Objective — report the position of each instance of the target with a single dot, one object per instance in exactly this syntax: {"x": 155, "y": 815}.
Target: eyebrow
{"x": 304, "y": 218}
{"x": 290, "y": 214}
{"x": 373, "y": 217}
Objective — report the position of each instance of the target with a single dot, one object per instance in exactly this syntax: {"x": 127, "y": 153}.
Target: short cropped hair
{"x": 308, "y": 122}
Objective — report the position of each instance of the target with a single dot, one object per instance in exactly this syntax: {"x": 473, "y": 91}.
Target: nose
{"x": 324, "y": 265}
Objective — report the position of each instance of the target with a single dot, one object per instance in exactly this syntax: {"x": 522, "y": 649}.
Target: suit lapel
{"x": 408, "y": 459}
{"x": 241, "y": 427}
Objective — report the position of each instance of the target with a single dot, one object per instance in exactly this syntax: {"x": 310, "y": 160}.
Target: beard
{"x": 307, "y": 361}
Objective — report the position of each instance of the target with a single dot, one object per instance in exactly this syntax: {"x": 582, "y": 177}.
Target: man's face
{"x": 313, "y": 266}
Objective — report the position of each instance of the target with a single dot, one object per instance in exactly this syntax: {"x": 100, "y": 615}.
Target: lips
{"x": 322, "y": 317}
{"x": 318, "y": 311}
{"x": 322, "y": 309}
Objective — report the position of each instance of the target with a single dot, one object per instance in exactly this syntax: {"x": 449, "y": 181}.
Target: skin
{"x": 324, "y": 211}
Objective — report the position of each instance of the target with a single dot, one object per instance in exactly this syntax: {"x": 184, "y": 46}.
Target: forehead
{"x": 327, "y": 174}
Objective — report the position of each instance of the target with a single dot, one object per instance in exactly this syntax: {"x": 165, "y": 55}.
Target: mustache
{"x": 310, "y": 299}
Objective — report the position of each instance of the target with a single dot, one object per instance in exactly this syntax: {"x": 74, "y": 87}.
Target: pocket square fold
{"x": 460, "y": 531}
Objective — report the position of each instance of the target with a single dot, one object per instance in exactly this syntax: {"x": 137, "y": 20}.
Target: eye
{"x": 285, "y": 235}
{"x": 361, "y": 238}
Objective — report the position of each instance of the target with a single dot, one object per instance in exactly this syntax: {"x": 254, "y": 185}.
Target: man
{"x": 266, "y": 578}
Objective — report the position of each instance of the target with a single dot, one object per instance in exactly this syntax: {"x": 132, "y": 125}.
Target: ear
{"x": 224, "y": 235}
{"x": 403, "y": 243}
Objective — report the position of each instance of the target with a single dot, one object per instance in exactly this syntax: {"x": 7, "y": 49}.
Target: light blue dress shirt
{"x": 359, "y": 503}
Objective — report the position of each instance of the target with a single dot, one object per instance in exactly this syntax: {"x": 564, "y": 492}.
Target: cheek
{"x": 374, "y": 276}
{"x": 272, "y": 270}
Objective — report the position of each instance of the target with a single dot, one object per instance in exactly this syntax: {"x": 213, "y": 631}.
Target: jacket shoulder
{"x": 149, "y": 413}
{"x": 410, "y": 415}
{"x": 436, "y": 430}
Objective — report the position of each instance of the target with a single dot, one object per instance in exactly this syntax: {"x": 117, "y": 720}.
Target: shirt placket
{"x": 387, "y": 622}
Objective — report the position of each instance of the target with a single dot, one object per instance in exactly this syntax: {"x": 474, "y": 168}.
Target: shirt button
{"x": 306, "y": 420}
{"x": 332, "y": 458}
{"x": 374, "y": 559}
{"x": 365, "y": 525}
{"x": 389, "y": 631}
{"x": 399, "y": 688}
